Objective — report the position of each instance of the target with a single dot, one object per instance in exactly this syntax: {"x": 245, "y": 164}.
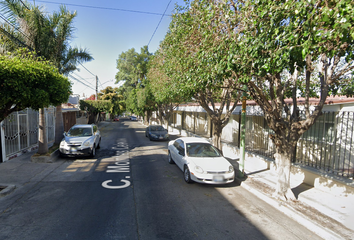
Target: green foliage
{"x": 116, "y": 99}
{"x": 95, "y": 107}
{"x": 27, "y": 81}
{"x": 132, "y": 68}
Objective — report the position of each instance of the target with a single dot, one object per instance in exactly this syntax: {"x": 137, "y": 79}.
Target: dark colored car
{"x": 156, "y": 132}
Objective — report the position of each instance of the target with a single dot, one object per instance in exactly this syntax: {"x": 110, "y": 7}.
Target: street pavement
{"x": 328, "y": 215}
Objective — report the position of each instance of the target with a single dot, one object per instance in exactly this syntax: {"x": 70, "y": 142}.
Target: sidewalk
{"x": 331, "y": 216}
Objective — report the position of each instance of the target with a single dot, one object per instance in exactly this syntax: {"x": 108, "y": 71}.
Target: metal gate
{"x": 20, "y": 130}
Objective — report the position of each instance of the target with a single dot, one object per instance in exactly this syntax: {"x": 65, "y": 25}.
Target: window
{"x": 202, "y": 150}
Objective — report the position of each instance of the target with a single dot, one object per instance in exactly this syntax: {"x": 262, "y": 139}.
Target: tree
{"x": 196, "y": 49}
{"x": 49, "y": 36}
{"x": 29, "y": 82}
{"x": 95, "y": 108}
{"x": 283, "y": 48}
{"x": 162, "y": 87}
{"x": 132, "y": 68}
{"x": 117, "y": 100}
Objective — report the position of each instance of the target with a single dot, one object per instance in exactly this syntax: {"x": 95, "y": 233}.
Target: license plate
{"x": 73, "y": 150}
{"x": 218, "y": 178}
{"x": 161, "y": 137}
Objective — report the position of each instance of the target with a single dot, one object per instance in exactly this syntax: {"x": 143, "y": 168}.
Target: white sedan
{"x": 200, "y": 161}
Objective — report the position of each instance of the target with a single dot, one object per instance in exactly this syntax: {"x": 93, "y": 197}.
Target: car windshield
{"x": 80, "y": 132}
{"x": 156, "y": 128}
{"x": 202, "y": 150}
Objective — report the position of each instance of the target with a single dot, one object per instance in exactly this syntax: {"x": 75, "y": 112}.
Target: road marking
{"x": 122, "y": 165}
{"x": 126, "y": 184}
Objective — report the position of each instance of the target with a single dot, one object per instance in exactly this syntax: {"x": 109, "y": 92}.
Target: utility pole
{"x": 96, "y": 88}
{"x": 243, "y": 132}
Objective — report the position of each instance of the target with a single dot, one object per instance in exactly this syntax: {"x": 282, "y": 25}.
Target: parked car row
{"x": 199, "y": 160}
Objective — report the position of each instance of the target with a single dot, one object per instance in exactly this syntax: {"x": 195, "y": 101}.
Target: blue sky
{"x": 107, "y": 31}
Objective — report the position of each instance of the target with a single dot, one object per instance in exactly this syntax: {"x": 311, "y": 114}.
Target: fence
{"x": 20, "y": 130}
{"x": 326, "y": 146}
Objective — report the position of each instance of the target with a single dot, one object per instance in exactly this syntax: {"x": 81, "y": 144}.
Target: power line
{"x": 18, "y": 29}
{"x": 159, "y": 22}
{"x": 13, "y": 38}
{"x": 74, "y": 78}
{"x": 81, "y": 78}
{"x": 105, "y": 8}
{"x": 24, "y": 5}
{"x": 86, "y": 69}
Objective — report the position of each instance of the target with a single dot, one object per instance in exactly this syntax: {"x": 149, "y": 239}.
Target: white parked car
{"x": 81, "y": 139}
{"x": 200, "y": 161}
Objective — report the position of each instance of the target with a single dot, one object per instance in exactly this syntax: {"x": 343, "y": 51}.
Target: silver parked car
{"x": 81, "y": 139}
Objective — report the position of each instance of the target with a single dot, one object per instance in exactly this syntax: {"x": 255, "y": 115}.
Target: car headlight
{"x": 62, "y": 144}
{"x": 231, "y": 169}
{"x": 87, "y": 144}
{"x": 153, "y": 135}
{"x": 199, "y": 169}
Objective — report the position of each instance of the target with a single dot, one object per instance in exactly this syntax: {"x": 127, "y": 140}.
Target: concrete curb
{"x": 292, "y": 213}
{"x": 8, "y": 189}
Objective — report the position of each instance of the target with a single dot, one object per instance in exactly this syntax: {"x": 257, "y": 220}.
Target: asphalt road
{"x": 129, "y": 191}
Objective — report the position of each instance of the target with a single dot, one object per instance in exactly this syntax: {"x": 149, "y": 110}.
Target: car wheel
{"x": 93, "y": 152}
{"x": 99, "y": 144}
{"x": 170, "y": 160}
{"x": 187, "y": 175}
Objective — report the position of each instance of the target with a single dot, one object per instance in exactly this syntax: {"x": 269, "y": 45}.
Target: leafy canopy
{"x": 29, "y": 82}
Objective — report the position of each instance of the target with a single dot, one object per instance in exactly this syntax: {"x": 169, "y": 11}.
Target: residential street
{"x": 129, "y": 191}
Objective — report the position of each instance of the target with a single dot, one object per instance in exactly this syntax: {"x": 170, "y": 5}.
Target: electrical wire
{"x": 104, "y": 8}
{"x": 81, "y": 78}
{"x": 24, "y": 4}
{"x": 74, "y": 78}
{"x": 159, "y": 22}
{"x": 12, "y": 37}
{"x": 87, "y": 69}
{"x": 18, "y": 29}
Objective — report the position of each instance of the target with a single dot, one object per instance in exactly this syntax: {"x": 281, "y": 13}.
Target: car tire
{"x": 170, "y": 160}
{"x": 99, "y": 144}
{"x": 187, "y": 175}
{"x": 93, "y": 152}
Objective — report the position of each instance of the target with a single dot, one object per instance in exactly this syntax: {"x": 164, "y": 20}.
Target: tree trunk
{"x": 42, "y": 139}
{"x": 217, "y": 127}
{"x": 283, "y": 164}
{"x": 59, "y": 125}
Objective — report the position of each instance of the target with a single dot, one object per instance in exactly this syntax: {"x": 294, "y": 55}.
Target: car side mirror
{"x": 64, "y": 134}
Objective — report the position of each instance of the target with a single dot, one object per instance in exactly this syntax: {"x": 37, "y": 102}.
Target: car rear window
{"x": 202, "y": 150}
